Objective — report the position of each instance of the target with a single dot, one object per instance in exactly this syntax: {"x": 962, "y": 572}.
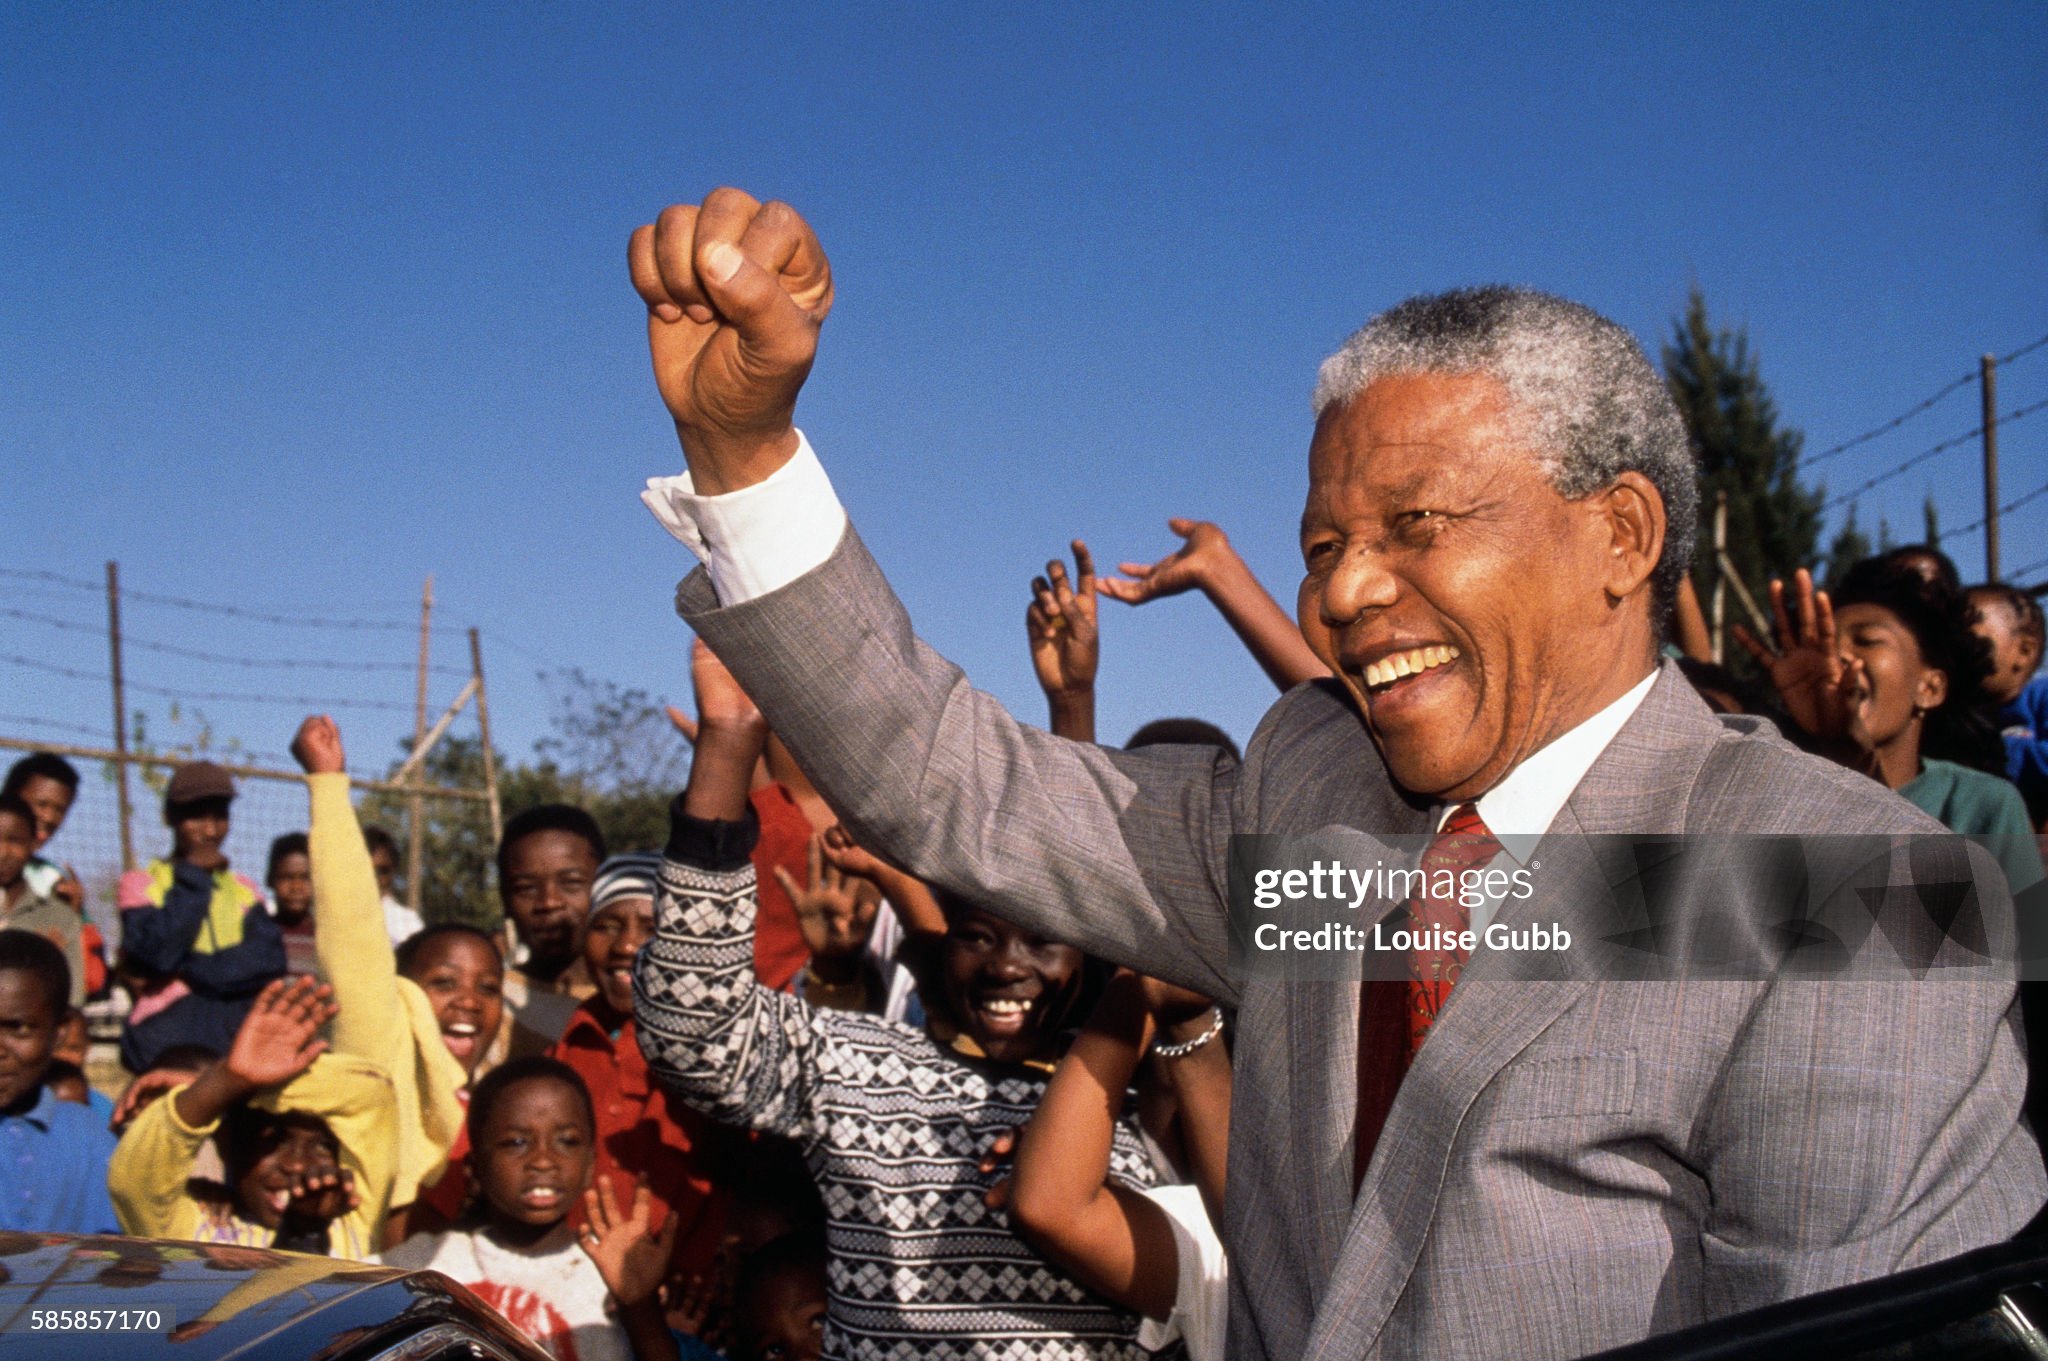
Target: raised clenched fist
{"x": 736, "y": 290}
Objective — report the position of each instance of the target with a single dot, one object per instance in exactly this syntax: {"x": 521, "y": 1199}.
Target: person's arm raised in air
{"x": 1825, "y": 694}
{"x": 1117, "y": 1241}
{"x": 916, "y": 906}
{"x": 1066, "y": 648}
{"x": 1207, "y": 562}
{"x": 384, "y": 1018}
{"x": 632, "y": 1258}
{"x": 836, "y": 912}
{"x": 1193, "y": 1061}
{"x": 348, "y": 914}
{"x": 1120, "y": 854}
{"x": 714, "y": 1036}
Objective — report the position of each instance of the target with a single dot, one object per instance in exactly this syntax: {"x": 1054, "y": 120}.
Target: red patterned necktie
{"x": 1394, "y": 1018}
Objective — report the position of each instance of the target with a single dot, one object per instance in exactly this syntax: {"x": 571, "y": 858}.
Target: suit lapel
{"x": 1638, "y": 784}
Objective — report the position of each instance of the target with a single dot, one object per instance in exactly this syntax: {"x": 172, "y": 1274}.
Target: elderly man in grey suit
{"x": 1500, "y": 503}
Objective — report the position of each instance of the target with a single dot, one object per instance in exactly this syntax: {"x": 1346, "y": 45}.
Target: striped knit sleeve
{"x": 733, "y": 1049}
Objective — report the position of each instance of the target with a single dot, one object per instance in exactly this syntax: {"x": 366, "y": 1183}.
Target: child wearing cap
{"x": 197, "y": 945}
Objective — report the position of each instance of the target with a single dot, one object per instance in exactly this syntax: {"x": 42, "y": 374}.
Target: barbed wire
{"x": 56, "y": 725}
{"x": 1926, "y": 454}
{"x": 173, "y": 650}
{"x": 233, "y": 611}
{"x": 1924, "y": 404}
{"x": 299, "y": 701}
{"x": 2005, "y": 509}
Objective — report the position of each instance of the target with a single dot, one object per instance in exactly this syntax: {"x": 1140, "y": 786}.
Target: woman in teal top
{"x": 1887, "y": 677}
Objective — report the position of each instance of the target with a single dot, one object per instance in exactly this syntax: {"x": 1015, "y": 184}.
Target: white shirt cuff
{"x": 760, "y": 538}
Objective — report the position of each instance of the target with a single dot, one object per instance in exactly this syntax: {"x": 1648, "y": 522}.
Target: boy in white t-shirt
{"x": 532, "y": 1152}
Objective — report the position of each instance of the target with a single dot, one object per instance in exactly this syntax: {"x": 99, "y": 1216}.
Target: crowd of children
{"x": 759, "y": 1093}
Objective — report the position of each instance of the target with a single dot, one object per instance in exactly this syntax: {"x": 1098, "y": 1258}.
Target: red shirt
{"x": 779, "y": 949}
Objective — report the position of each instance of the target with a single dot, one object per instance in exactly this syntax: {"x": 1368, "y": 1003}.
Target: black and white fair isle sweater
{"x": 893, "y": 1126}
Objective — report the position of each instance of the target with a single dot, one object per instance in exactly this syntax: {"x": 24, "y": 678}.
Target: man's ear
{"x": 1633, "y": 513}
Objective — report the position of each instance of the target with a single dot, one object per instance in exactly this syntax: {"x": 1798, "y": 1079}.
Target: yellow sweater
{"x": 384, "y": 1018}
{"x": 149, "y": 1174}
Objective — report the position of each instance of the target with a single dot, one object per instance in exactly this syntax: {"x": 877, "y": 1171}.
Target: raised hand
{"x": 835, "y": 910}
{"x": 912, "y": 899}
{"x": 1807, "y": 665}
{"x": 71, "y": 889}
{"x": 281, "y": 1037}
{"x": 317, "y": 747}
{"x": 684, "y": 724}
{"x": 735, "y": 291}
{"x": 629, "y": 1256}
{"x": 319, "y": 1197}
{"x": 1194, "y": 564}
{"x": 721, "y": 704}
{"x": 1066, "y": 648}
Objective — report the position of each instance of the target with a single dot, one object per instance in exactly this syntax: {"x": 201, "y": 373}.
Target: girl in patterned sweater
{"x": 892, "y": 1120}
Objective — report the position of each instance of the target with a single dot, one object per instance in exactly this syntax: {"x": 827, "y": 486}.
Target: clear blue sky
{"x": 302, "y": 303}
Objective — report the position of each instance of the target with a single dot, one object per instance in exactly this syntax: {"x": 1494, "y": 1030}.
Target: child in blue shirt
{"x": 53, "y": 1153}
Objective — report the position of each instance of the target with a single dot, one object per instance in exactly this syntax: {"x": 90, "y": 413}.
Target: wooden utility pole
{"x": 120, "y": 712}
{"x": 1989, "y": 374}
{"x": 483, "y": 723}
{"x": 1720, "y": 578}
{"x": 416, "y": 804}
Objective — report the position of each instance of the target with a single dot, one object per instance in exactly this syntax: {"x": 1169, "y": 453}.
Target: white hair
{"x": 1592, "y": 406}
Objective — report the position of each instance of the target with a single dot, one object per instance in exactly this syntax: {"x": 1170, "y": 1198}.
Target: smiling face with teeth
{"x": 1474, "y": 613}
{"x": 1009, "y": 990}
{"x": 266, "y": 1153}
{"x": 463, "y": 977}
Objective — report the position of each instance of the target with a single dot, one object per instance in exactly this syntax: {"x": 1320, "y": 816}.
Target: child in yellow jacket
{"x": 427, "y": 1042}
{"x": 307, "y": 1140}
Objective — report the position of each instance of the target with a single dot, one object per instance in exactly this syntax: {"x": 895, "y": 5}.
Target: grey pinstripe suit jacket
{"x": 1568, "y": 1165}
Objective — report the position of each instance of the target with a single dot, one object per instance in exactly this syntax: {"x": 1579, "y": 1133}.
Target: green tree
{"x": 1850, "y": 546}
{"x": 1773, "y": 518}
{"x": 1932, "y": 519}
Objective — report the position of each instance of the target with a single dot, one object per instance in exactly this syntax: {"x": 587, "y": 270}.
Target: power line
{"x": 234, "y": 611}
{"x": 2007, "y": 508}
{"x": 169, "y": 649}
{"x": 54, "y": 724}
{"x": 298, "y": 701}
{"x": 1914, "y": 410}
{"x": 1926, "y": 454}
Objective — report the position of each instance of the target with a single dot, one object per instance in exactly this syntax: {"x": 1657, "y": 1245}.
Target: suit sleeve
{"x": 1122, "y": 854}
{"x": 1866, "y": 1125}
